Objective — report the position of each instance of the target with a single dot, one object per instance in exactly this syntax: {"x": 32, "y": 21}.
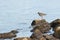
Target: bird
{"x": 41, "y": 14}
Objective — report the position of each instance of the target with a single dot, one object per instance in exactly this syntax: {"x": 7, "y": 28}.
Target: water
{"x": 11, "y": 23}
{"x": 18, "y": 14}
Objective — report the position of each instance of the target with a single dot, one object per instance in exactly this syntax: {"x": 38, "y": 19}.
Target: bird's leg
{"x": 41, "y": 17}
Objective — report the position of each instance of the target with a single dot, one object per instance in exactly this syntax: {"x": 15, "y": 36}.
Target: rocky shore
{"x": 40, "y": 30}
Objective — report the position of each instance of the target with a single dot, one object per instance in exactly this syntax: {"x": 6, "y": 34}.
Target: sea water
{"x": 19, "y": 14}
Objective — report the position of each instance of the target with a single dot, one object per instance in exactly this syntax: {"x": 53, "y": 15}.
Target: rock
{"x": 57, "y": 31}
{"x": 50, "y": 37}
{"x": 46, "y": 37}
{"x": 8, "y": 35}
{"x": 55, "y": 23}
{"x": 42, "y": 25}
{"x": 23, "y": 38}
{"x": 35, "y": 22}
{"x": 36, "y": 34}
{"x": 14, "y": 31}
{"x": 42, "y": 38}
{"x": 56, "y": 27}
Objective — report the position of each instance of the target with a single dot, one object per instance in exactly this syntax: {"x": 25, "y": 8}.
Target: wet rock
{"x": 23, "y": 38}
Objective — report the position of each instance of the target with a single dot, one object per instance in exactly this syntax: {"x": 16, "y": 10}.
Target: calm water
{"x": 11, "y": 21}
{"x": 18, "y": 14}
